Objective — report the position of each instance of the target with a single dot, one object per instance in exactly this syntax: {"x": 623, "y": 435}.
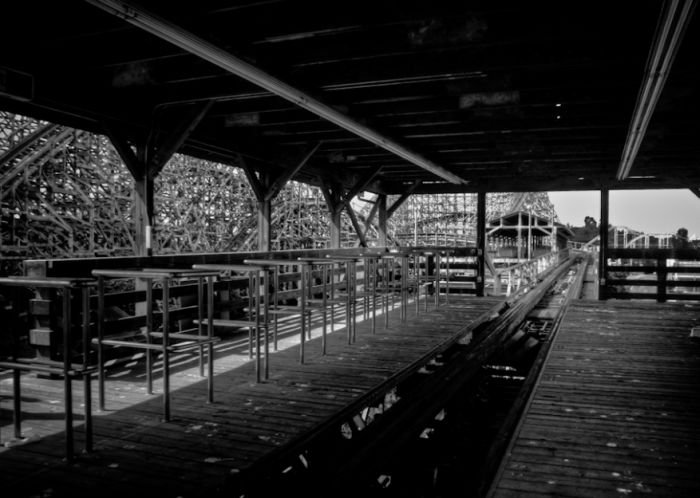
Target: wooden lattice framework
{"x": 450, "y": 219}
{"x": 63, "y": 193}
{"x": 67, "y": 193}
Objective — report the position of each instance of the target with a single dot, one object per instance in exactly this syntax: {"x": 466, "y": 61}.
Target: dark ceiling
{"x": 507, "y": 96}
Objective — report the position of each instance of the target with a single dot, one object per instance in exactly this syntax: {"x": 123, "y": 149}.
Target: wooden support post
{"x": 529, "y": 235}
{"x": 289, "y": 173}
{"x": 261, "y": 188}
{"x": 151, "y": 156}
{"x": 143, "y": 215}
{"x": 382, "y": 219}
{"x": 356, "y": 225}
{"x": 370, "y": 219}
{"x": 187, "y": 118}
{"x": 480, "y": 243}
{"x": 520, "y": 237}
{"x": 334, "y": 242}
{"x": 334, "y": 201}
{"x": 602, "y": 255}
{"x": 662, "y": 279}
{"x": 142, "y": 203}
{"x": 360, "y": 185}
{"x": 264, "y": 226}
{"x": 397, "y": 204}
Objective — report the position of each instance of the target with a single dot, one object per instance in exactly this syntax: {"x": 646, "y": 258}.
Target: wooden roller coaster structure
{"x": 66, "y": 193}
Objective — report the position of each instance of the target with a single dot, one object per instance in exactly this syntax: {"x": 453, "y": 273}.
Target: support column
{"x": 529, "y": 236}
{"x": 266, "y": 190}
{"x": 519, "y": 250}
{"x": 332, "y": 195}
{"x": 136, "y": 161}
{"x": 480, "y": 243}
{"x": 370, "y": 220}
{"x": 335, "y": 228}
{"x": 146, "y": 158}
{"x": 356, "y": 225}
{"x": 261, "y": 189}
{"x": 143, "y": 216}
{"x": 602, "y": 255}
{"x": 264, "y": 225}
{"x": 382, "y": 216}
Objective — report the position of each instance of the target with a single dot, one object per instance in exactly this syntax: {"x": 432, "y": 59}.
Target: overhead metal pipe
{"x": 669, "y": 32}
{"x": 223, "y": 59}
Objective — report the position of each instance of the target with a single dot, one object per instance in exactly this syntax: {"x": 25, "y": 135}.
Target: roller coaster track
{"x": 428, "y": 403}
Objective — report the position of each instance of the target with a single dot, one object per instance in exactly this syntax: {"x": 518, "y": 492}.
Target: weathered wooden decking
{"x": 204, "y": 444}
{"x": 616, "y": 410}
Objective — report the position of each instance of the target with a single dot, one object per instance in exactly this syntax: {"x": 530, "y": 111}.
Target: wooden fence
{"x": 659, "y": 274}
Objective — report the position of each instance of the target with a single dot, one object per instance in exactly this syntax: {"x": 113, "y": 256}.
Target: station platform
{"x": 615, "y": 409}
{"x": 249, "y": 425}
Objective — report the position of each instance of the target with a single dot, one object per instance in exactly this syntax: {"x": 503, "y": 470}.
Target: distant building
{"x": 523, "y": 235}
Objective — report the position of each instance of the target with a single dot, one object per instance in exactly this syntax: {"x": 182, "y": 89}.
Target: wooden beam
{"x": 539, "y": 184}
{"x": 143, "y": 205}
{"x": 520, "y": 236}
{"x": 264, "y": 209}
{"x": 336, "y": 229}
{"x": 136, "y": 167}
{"x": 372, "y": 214}
{"x": 143, "y": 216}
{"x": 162, "y": 152}
{"x": 332, "y": 196}
{"x": 199, "y": 47}
{"x": 403, "y": 198}
{"x": 480, "y": 242}
{"x": 361, "y": 185}
{"x": 492, "y": 268}
{"x": 289, "y": 173}
{"x": 329, "y": 196}
{"x": 356, "y": 225}
{"x": 18, "y": 148}
{"x": 603, "y": 247}
{"x": 382, "y": 225}
{"x": 255, "y": 183}
{"x": 696, "y": 191}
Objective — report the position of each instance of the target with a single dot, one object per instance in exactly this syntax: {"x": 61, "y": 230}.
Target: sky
{"x": 650, "y": 211}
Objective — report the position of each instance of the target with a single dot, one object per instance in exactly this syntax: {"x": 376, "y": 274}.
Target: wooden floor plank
{"x": 195, "y": 452}
{"x": 616, "y": 408}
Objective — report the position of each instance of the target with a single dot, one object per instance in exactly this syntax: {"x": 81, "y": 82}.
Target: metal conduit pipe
{"x": 674, "y": 18}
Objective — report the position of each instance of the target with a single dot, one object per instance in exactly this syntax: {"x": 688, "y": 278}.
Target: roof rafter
{"x": 397, "y": 203}
{"x": 360, "y": 185}
{"x": 356, "y": 225}
{"x": 223, "y": 59}
{"x": 289, "y": 173}
{"x": 175, "y": 139}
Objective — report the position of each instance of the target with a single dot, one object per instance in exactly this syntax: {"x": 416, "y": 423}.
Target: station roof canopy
{"x": 382, "y": 96}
